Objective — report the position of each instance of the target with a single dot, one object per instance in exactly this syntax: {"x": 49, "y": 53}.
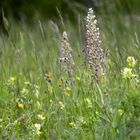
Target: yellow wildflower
{"x": 38, "y": 127}
{"x": 66, "y": 91}
{"x": 127, "y": 73}
{"x": 41, "y": 117}
{"x": 61, "y": 105}
{"x": 20, "y": 105}
{"x": 12, "y": 80}
{"x": 131, "y": 62}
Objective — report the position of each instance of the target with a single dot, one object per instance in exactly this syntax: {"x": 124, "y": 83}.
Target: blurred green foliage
{"x": 28, "y": 8}
{"x": 125, "y": 6}
{"x": 48, "y": 8}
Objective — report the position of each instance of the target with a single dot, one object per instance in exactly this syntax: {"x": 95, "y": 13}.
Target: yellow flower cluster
{"x": 41, "y": 117}
{"x": 61, "y": 104}
{"x": 11, "y": 81}
{"x": 127, "y": 73}
{"x": 131, "y": 62}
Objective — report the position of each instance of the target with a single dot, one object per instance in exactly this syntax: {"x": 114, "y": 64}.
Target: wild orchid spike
{"x": 95, "y": 58}
{"x": 66, "y": 58}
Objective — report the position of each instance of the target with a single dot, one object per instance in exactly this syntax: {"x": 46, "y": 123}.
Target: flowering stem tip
{"x": 95, "y": 58}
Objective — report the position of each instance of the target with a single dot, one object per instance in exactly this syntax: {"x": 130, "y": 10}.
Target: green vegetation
{"x": 47, "y": 8}
{"x": 35, "y": 104}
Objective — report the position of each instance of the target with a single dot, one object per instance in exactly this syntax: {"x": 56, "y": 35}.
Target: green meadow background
{"x": 32, "y": 107}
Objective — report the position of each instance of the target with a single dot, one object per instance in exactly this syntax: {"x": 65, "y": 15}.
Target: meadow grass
{"x": 32, "y": 107}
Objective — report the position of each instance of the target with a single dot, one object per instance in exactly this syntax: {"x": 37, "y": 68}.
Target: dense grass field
{"x": 35, "y": 104}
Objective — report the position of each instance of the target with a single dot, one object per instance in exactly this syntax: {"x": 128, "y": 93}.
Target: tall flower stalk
{"x": 95, "y": 58}
{"x": 66, "y": 59}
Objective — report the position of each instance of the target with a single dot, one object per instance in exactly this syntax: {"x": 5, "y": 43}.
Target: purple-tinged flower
{"x": 95, "y": 58}
{"x": 66, "y": 58}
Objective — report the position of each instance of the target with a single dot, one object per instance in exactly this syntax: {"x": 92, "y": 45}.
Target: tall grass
{"x": 32, "y": 107}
